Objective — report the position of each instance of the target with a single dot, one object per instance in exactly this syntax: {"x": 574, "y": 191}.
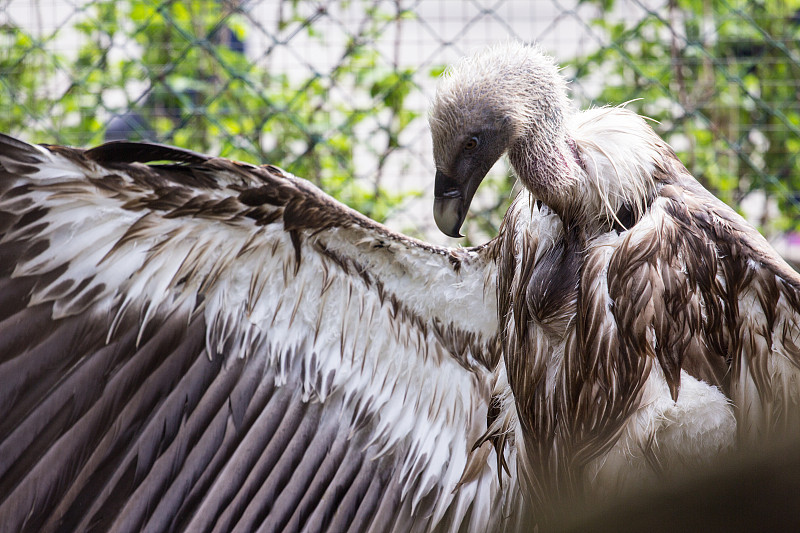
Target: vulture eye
{"x": 471, "y": 144}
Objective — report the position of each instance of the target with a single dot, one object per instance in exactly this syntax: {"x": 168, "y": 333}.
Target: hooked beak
{"x": 449, "y": 214}
{"x": 451, "y": 200}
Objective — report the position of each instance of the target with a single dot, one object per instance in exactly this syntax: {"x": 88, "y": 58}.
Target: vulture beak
{"x": 451, "y": 200}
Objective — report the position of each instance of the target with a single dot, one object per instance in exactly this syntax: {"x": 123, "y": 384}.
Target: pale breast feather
{"x": 207, "y": 345}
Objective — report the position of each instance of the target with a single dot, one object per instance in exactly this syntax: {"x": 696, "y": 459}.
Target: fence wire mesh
{"x": 337, "y": 92}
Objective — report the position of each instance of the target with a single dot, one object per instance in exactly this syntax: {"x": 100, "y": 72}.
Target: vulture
{"x": 189, "y": 343}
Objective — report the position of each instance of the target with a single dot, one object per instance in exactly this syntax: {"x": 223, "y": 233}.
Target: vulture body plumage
{"x": 646, "y": 326}
{"x": 190, "y": 343}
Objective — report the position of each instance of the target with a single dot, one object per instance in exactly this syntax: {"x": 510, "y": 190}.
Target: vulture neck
{"x": 549, "y": 167}
{"x": 596, "y": 170}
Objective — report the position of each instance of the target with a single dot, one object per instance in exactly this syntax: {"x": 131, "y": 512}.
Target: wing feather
{"x": 206, "y": 345}
{"x": 713, "y": 299}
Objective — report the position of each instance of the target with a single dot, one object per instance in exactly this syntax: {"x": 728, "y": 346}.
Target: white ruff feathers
{"x": 619, "y": 152}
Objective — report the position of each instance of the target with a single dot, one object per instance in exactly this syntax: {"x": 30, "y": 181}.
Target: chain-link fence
{"x": 337, "y": 92}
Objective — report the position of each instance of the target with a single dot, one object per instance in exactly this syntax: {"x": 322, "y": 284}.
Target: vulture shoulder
{"x": 683, "y": 290}
{"x": 199, "y": 344}
{"x": 695, "y": 286}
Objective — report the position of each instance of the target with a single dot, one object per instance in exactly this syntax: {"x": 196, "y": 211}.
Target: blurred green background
{"x": 337, "y": 91}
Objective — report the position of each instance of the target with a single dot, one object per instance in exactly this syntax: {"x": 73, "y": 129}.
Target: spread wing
{"x": 699, "y": 289}
{"x": 207, "y": 345}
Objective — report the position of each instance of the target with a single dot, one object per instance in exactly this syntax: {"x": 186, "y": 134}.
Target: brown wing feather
{"x": 604, "y": 372}
{"x": 121, "y": 417}
{"x": 712, "y": 298}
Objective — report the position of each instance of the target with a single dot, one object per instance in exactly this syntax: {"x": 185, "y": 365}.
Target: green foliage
{"x": 193, "y": 90}
{"x": 721, "y": 78}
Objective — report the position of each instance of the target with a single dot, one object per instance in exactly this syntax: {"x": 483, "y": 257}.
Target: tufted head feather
{"x": 511, "y": 87}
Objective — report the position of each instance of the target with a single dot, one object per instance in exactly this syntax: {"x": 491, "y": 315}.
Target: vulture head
{"x": 509, "y": 99}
